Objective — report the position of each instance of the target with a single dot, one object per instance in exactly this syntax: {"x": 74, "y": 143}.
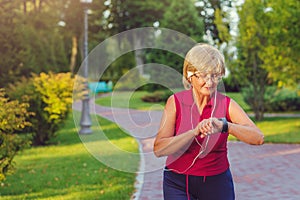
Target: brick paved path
{"x": 267, "y": 172}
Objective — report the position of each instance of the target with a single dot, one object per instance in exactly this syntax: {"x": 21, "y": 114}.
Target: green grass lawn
{"x": 66, "y": 170}
{"x": 279, "y": 130}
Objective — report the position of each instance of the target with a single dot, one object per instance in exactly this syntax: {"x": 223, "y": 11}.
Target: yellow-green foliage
{"x": 56, "y": 92}
{"x": 13, "y": 117}
{"x": 50, "y": 98}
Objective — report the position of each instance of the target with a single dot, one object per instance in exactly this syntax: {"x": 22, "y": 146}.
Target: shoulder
{"x": 184, "y": 96}
{"x": 176, "y": 100}
{"x": 234, "y": 106}
{"x": 170, "y": 102}
{"x": 182, "y": 93}
{"x": 170, "y": 107}
{"x": 236, "y": 111}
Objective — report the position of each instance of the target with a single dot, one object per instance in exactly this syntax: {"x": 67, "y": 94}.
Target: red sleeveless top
{"x": 214, "y": 159}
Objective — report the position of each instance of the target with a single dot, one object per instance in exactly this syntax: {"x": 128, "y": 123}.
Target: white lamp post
{"x": 85, "y": 121}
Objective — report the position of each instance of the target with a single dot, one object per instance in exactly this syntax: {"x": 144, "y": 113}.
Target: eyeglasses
{"x": 213, "y": 77}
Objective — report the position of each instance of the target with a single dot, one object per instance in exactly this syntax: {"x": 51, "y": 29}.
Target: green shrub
{"x": 158, "y": 96}
{"x": 13, "y": 117}
{"x": 275, "y": 99}
{"x": 50, "y": 98}
{"x": 282, "y": 99}
{"x": 154, "y": 97}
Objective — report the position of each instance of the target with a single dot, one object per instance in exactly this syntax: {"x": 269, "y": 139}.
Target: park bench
{"x": 101, "y": 86}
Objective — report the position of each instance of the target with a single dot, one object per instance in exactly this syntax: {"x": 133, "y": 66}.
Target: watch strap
{"x": 225, "y": 125}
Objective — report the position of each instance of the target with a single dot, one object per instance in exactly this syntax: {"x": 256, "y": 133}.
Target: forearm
{"x": 174, "y": 145}
{"x": 247, "y": 134}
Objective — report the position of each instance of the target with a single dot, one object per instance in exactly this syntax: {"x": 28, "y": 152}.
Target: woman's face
{"x": 205, "y": 83}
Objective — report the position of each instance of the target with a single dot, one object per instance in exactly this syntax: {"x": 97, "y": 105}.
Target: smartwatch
{"x": 225, "y": 125}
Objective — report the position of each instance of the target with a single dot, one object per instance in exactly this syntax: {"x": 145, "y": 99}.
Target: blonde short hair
{"x": 203, "y": 58}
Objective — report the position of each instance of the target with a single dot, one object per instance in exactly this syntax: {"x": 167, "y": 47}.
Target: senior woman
{"x": 194, "y": 129}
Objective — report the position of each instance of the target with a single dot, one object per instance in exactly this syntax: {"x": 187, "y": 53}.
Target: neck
{"x": 200, "y": 100}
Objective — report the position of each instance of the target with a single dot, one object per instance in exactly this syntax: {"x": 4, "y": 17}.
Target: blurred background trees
{"x": 31, "y": 39}
{"x": 267, "y": 51}
{"x": 43, "y": 35}
{"x": 258, "y": 38}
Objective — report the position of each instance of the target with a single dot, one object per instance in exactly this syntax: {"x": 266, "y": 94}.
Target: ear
{"x": 189, "y": 74}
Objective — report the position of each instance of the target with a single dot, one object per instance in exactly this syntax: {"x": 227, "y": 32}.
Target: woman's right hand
{"x": 207, "y": 127}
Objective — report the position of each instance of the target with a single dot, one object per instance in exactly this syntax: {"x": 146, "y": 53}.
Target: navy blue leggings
{"x": 218, "y": 187}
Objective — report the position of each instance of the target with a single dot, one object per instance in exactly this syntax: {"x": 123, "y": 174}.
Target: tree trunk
{"x": 259, "y": 110}
{"x": 138, "y": 53}
{"x": 24, "y": 7}
{"x": 73, "y": 54}
{"x": 40, "y": 5}
{"x": 258, "y": 89}
{"x": 34, "y": 5}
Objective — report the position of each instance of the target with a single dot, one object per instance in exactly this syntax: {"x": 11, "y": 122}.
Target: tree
{"x": 10, "y": 40}
{"x": 268, "y": 49}
{"x": 31, "y": 40}
{"x": 186, "y": 21}
{"x": 281, "y": 50}
{"x": 214, "y": 17}
{"x": 125, "y": 15}
{"x": 72, "y": 21}
{"x": 220, "y": 23}
{"x": 251, "y": 42}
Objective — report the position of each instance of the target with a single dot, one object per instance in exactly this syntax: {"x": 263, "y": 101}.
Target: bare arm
{"x": 166, "y": 143}
{"x": 242, "y": 127}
